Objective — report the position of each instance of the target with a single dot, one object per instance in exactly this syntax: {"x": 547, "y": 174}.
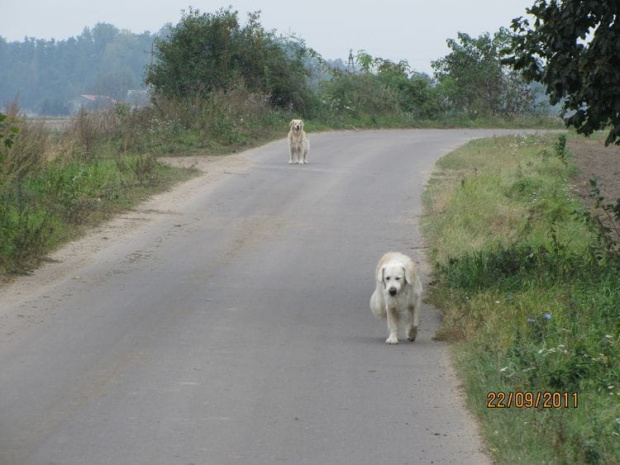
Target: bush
{"x": 208, "y": 53}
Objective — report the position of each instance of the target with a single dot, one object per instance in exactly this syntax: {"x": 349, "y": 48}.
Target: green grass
{"x": 47, "y": 203}
{"x": 530, "y": 298}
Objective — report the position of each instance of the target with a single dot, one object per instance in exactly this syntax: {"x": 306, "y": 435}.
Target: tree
{"x": 214, "y": 52}
{"x": 573, "y": 48}
{"x": 411, "y": 91}
{"x": 473, "y": 80}
{"x": 47, "y": 75}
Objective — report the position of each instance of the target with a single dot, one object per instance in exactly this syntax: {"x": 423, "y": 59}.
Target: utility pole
{"x": 152, "y": 52}
{"x": 350, "y": 63}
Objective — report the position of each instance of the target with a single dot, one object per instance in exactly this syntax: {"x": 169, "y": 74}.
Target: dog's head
{"x": 394, "y": 277}
{"x": 297, "y": 125}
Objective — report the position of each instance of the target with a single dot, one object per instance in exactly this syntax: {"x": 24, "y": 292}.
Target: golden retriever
{"x": 397, "y": 295}
{"x": 298, "y": 143}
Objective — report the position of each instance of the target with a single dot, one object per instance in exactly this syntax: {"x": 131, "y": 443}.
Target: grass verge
{"x": 55, "y": 185}
{"x": 529, "y": 288}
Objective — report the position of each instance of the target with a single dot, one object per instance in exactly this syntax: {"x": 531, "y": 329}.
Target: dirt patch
{"x": 595, "y": 161}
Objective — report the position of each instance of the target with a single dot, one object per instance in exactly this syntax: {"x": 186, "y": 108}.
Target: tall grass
{"x": 530, "y": 295}
{"x": 54, "y": 184}
{"x": 224, "y": 122}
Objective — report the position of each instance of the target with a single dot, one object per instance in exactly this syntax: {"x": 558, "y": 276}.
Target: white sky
{"x": 412, "y": 30}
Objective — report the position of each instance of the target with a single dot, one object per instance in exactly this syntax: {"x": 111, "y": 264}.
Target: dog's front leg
{"x": 392, "y": 322}
{"x": 412, "y": 332}
{"x": 414, "y": 313}
{"x": 412, "y": 327}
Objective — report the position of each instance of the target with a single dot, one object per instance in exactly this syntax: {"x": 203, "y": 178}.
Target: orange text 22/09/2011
{"x": 528, "y": 399}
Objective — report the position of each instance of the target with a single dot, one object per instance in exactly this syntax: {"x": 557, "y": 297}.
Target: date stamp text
{"x": 529, "y": 399}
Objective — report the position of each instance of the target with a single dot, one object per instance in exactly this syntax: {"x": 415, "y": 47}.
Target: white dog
{"x": 397, "y": 296}
{"x": 298, "y": 143}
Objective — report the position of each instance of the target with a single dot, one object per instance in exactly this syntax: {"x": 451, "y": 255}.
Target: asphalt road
{"x": 236, "y": 329}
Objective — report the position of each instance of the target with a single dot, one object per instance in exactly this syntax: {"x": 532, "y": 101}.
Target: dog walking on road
{"x": 397, "y": 295}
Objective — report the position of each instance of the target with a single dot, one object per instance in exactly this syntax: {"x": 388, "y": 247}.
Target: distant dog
{"x": 298, "y": 143}
{"x": 397, "y": 295}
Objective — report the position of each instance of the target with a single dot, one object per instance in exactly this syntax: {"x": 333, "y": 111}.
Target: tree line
{"x": 214, "y": 51}
{"x": 207, "y": 52}
{"x": 47, "y": 76}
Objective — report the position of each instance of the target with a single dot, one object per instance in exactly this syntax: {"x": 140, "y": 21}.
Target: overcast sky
{"x": 412, "y": 30}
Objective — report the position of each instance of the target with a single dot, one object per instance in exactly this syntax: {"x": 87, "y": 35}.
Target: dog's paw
{"x": 412, "y": 333}
{"x": 393, "y": 339}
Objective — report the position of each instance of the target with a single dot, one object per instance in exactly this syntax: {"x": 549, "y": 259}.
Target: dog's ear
{"x": 301, "y": 124}
{"x": 408, "y": 277}
{"x": 291, "y": 123}
{"x": 381, "y": 274}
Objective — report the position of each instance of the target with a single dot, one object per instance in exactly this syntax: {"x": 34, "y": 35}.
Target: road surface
{"x": 229, "y": 323}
